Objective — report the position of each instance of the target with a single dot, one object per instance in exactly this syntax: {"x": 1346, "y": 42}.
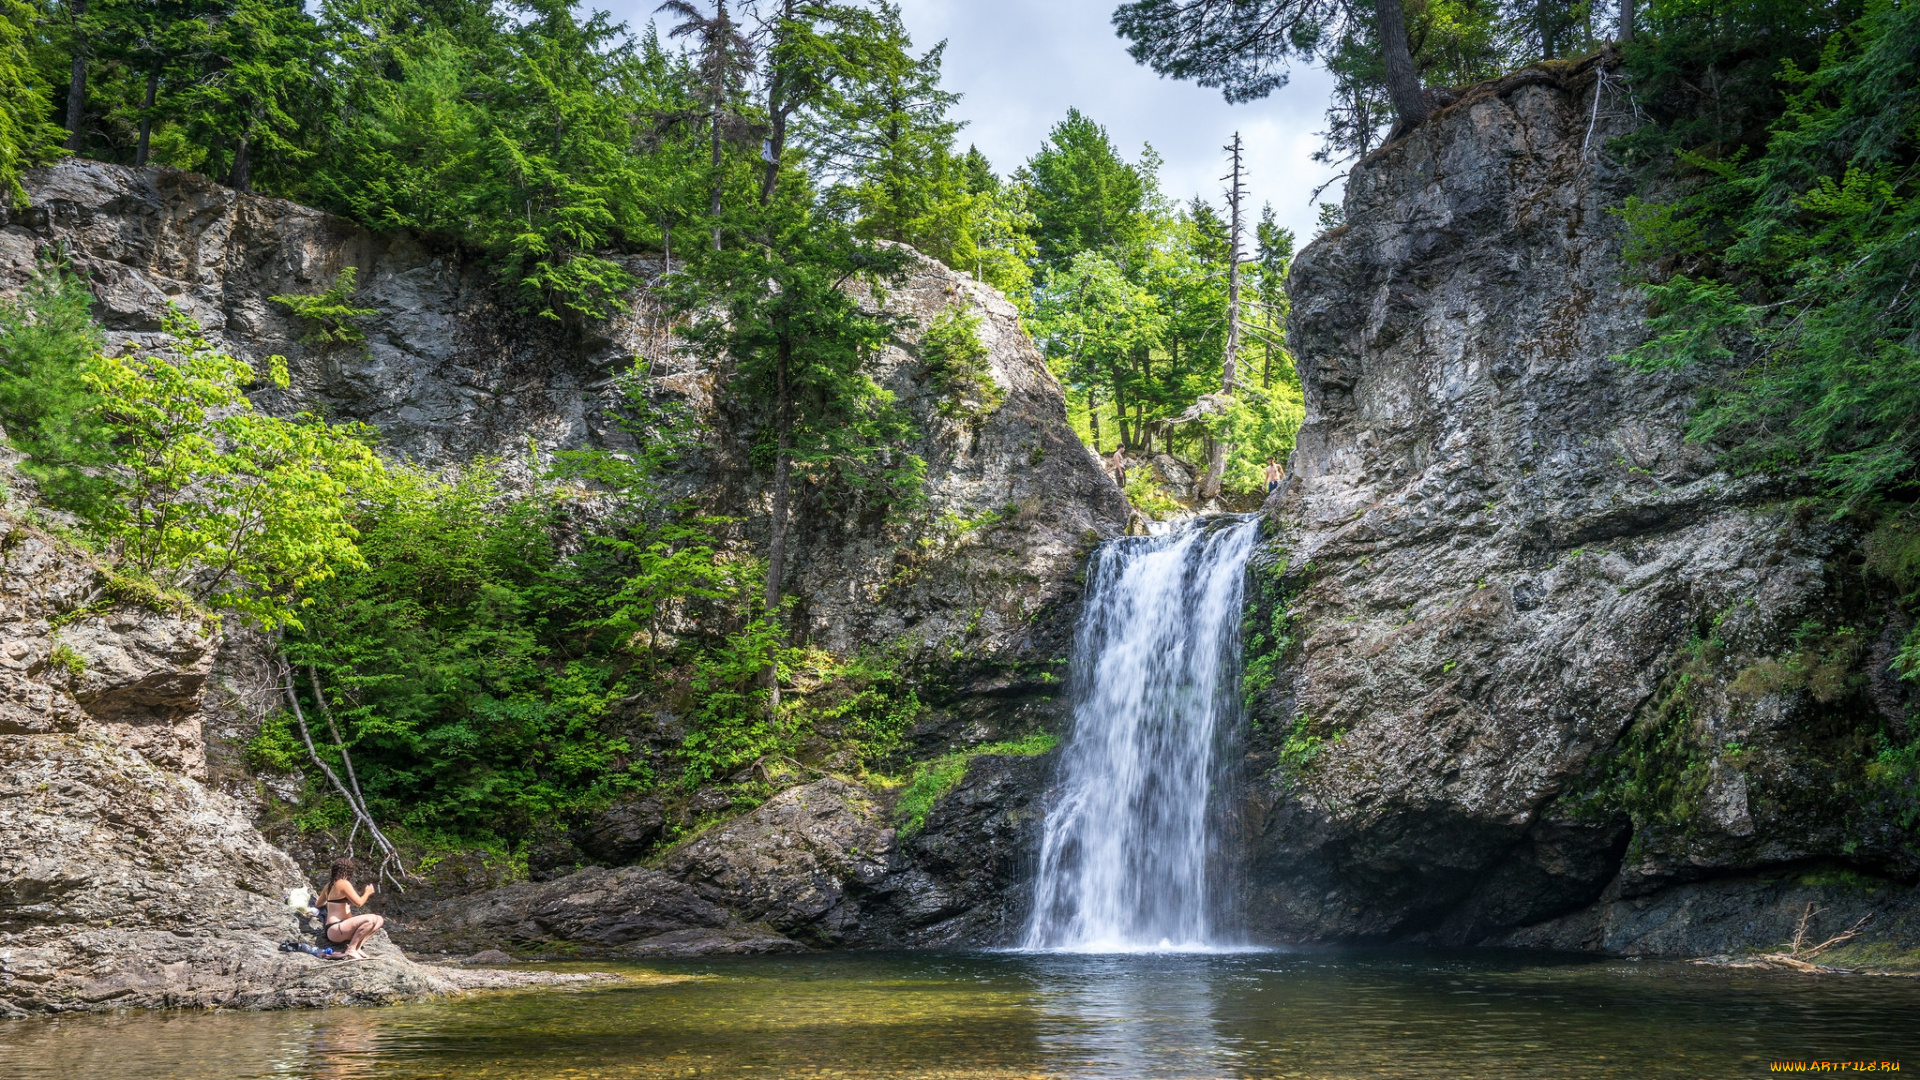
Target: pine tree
{"x": 1082, "y": 195}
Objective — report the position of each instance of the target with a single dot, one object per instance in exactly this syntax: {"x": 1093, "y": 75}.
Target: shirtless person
{"x": 1274, "y": 473}
{"x": 1118, "y": 466}
{"x": 338, "y": 900}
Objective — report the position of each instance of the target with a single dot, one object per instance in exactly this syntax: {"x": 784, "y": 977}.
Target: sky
{"x": 1021, "y": 64}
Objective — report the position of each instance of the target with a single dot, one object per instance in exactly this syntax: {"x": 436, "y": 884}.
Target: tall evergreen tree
{"x": 1083, "y": 196}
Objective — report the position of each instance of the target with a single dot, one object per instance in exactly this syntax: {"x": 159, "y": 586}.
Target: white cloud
{"x": 1023, "y": 63}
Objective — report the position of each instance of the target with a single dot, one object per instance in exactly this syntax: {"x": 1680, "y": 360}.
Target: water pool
{"x": 1303, "y": 1014}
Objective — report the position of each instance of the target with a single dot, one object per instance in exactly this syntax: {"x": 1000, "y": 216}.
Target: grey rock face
{"x": 632, "y": 911}
{"x": 448, "y": 371}
{"x": 1728, "y": 916}
{"x": 1493, "y": 553}
{"x": 622, "y": 832}
{"x": 969, "y": 871}
{"x": 797, "y": 863}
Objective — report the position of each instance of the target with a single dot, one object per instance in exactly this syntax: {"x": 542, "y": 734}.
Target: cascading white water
{"x": 1124, "y": 860}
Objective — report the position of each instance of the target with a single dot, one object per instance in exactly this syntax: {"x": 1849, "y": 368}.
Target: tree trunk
{"x": 146, "y": 117}
{"x": 1626, "y": 20}
{"x": 1403, "y": 79}
{"x": 241, "y": 178}
{"x": 1230, "y": 356}
{"x": 77, "y": 88}
{"x": 715, "y": 210}
{"x": 782, "y": 483}
{"x": 1093, "y": 416}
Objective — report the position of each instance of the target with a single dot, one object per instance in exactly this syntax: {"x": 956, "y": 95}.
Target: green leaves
{"x": 47, "y": 339}
{"x": 330, "y": 313}
{"x": 1085, "y": 198}
{"x": 242, "y": 510}
{"x": 26, "y": 138}
{"x": 1806, "y": 280}
{"x": 956, "y": 365}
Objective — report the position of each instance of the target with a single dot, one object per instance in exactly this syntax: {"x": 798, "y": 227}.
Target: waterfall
{"x": 1126, "y": 852}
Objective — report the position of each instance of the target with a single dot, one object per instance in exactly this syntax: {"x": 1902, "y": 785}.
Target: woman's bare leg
{"x": 369, "y": 926}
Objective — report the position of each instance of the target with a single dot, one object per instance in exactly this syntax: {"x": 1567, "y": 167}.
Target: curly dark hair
{"x": 343, "y": 868}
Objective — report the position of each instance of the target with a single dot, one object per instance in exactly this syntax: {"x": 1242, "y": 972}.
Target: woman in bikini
{"x": 338, "y": 900}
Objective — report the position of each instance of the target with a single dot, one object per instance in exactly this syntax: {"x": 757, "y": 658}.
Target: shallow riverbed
{"x": 1304, "y": 1014}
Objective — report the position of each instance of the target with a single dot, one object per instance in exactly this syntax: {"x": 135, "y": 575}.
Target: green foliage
{"x": 956, "y": 365}
{"x": 1260, "y": 426}
{"x": 778, "y": 308}
{"x": 1245, "y": 48}
{"x": 1795, "y": 272}
{"x": 933, "y": 780}
{"x": 47, "y": 339}
{"x": 331, "y": 313}
{"x": 510, "y": 126}
{"x": 1893, "y": 778}
{"x": 465, "y": 662}
{"x": 1132, "y": 318}
{"x": 1266, "y": 633}
{"x": 1148, "y": 496}
{"x": 64, "y": 657}
{"x": 1084, "y": 198}
{"x": 1303, "y": 746}
{"x": 241, "y": 510}
{"x": 731, "y": 726}
{"x": 867, "y": 703}
{"x": 26, "y": 138}
{"x": 1663, "y": 764}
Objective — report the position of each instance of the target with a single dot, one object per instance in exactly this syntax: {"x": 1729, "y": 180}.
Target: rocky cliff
{"x": 979, "y": 586}
{"x": 451, "y": 371}
{"x": 1535, "y": 655}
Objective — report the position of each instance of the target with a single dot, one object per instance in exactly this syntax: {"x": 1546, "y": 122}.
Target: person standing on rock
{"x": 338, "y": 900}
{"x": 1118, "y": 466}
{"x": 1273, "y": 475}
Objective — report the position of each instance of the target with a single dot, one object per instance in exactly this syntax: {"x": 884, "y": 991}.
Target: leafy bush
{"x": 932, "y": 780}
{"x": 331, "y": 313}
{"x": 466, "y": 661}
{"x": 1796, "y": 269}
{"x": 238, "y": 509}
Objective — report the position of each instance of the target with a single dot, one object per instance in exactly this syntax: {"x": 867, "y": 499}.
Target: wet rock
{"x": 551, "y": 854}
{"x": 1733, "y": 915}
{"x": 969, "y": 870}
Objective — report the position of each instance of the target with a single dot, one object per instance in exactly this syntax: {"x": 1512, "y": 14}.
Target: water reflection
{"x": 1406, "y": 1016}
{"x": 1147, "y": 1017}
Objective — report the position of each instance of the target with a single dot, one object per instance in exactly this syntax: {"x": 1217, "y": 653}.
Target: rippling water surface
{"x": 1374, "y": 1014}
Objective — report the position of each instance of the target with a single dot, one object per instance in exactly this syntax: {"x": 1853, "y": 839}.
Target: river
{"x": 1333, "y": 1014}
